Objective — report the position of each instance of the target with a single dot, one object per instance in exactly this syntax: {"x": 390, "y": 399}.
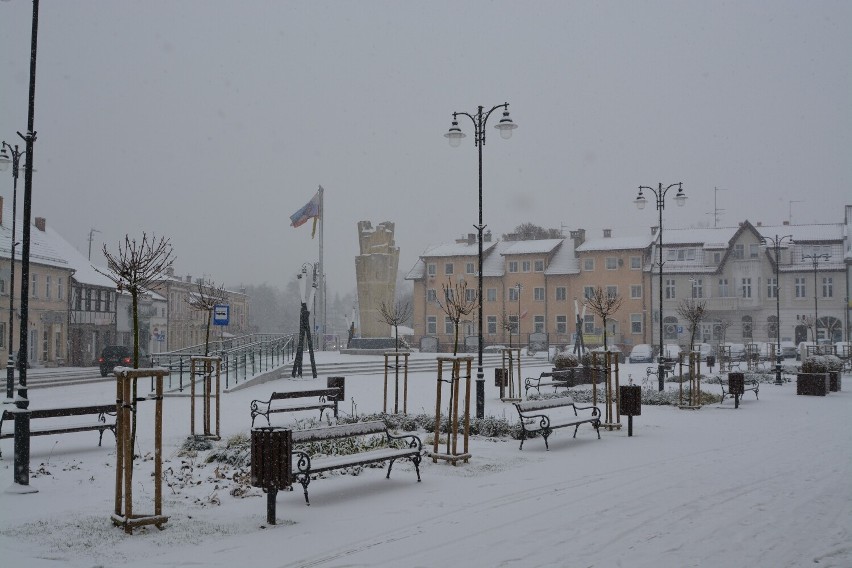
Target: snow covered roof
{"x": 455, "y": 249}
{"x": 540, "y": 246}
{"x": 720, "y": 237}
{"x": 563, "y": 261}
{"x": 617, "y": 243}
{"x": 85, "y": 272}
{"x": 42, "y": 250}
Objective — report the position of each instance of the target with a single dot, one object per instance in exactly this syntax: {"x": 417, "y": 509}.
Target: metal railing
{"x": 242, "y": 357}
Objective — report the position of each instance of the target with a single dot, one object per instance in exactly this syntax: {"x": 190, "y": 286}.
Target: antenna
{"x": 92, "y": 232}
{"x": 716, "y": 210}
{"x": 790, "y": 212}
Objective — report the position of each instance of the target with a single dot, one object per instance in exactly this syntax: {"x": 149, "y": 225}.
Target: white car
{"x": 642, "y": 353}
{"x": 671, "y": 351}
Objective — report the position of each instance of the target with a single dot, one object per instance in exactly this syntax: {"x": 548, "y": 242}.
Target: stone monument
{"x": 375, "y": 273}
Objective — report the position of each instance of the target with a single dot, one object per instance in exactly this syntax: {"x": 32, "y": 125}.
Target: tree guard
{"x": 511, "y": 365}
{"x": 395, "y": 366}
{"x": 452, "y": 454}
{"x": 205, "y": 369}
{"x": 692, "y": 400}
{"x": 123, "y": 515}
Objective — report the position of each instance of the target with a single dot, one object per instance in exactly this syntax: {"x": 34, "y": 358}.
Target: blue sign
{"x": 221, "y": 314}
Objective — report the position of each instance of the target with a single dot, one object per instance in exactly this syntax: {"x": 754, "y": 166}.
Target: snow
{"x": 765, "y": 485}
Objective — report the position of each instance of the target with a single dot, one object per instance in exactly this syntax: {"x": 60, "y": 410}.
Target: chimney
{"x": 759, "y": 223}
{"x": 471, "y": 238}
{"x": 188, "y": 279}
{"x": 786, "y": 223}
{"x": 607, "y": 233}
{"x": 487, "y": 237}
{"x": 579, "y": 237}
{"x": 654, "y": 231}
{"x": 41, "y": 223}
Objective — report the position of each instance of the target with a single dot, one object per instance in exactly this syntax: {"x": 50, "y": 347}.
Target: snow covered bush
{"x": 565, "y": 360}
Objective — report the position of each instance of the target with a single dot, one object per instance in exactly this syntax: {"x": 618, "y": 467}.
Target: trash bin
{"x": 271, "y": 459}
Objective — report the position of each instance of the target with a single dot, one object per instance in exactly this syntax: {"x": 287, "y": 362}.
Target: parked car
{"x": 642, "y": 353}
{"x": 113, "y": 356}
{"x": 671, "y": 351}
{"x": 788, "y": 349}
{"x": 705, "y": 349}
{"x": 614, "y": 350}
{"x": 736, "y": 351}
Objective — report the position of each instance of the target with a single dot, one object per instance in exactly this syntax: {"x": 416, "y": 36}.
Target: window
{"x": 538, "y": 266}
{"x": 635, "y": 263}
{"x": 2, "y": 285}
{"x": 561, "y": 293}
{"x": 747, "y": 327}
{"x": 588, "y": 264}
{"x": 636, "y": 291}
{"x": 772, "y": 327}
{"x": 469, "y": 268}
{"x": 107, "y": 299}
{"x": 671, "y": 254}
{"x": 538, "y": 294}
{"x": 448, "y": 294}
{"x": 513, "y": 266}
{"x": 88, "y": 299}
{"x": 739, "y": 251}
{"x": 717, "y": 257}
{"x": 588, "y": 291}
{"x": 525, "y": 266}
{"x": 491, "y": 325}
{"x": 47, "y": 288}
{"x": 538, "y": 322}
{"x": 589, "y": 323}
{"x": 746, "y": 287}
{"x": 513, "y": 294}
{"x": 513, "y": 323}
{"x": 697, "y": 288}
{"x": 561, "y": 324}
{"x": 491, "y": 294}
{"x": 800, "y": 287}
{"x": 670, "y": 289}
{"x": 670, "y": 327}
{"x": 470, "y": 295}
{"x": 34, "y": 291}
{"x": 611, "y": 263}
{"x": 635, "y": 323}
{"x": 827, "y": 287}
{"x": 2, "y": 334}
{"x": 59, "y": 292}
{"x": 723, "y": 287}
{"x": 431, "y": 295}
{"x": 771, "y": 287}
{"x": 448, "y": 268}
{"x": 431, "y": 325}
{"x": 431, "y": 269}
{"x": 612, "y": 291}
{"x": 449, "y": 327}
{"x": 753, "y": 250}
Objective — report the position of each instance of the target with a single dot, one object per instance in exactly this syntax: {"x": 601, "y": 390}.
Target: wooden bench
{"x": 557, "y": 379}
{"x": 320, "y": 399}
{"x": 100, "y": 423}
{"x": 305, "y": 464}
{"x": 544, "y": 416}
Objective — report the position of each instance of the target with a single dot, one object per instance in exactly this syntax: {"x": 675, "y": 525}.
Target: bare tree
{"x": 809, "y": 322}
{"x": 395, "y": 315}
{"x": 604, "y": 304}
{"x": 135, "y": 267}
{"x": 457, "y": 303}
{"x": 693, "y": 310}
{"x": 206, "y": 299}
{"x": 532, "y": 232}
{"x": 507, "y": 324}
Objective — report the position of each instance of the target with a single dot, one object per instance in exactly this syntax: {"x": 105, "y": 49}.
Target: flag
{"x": 311, "y": 210}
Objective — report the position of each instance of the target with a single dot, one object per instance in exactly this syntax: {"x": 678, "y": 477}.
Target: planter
{"x": 812, "y": 384}
{"x": 834, "y": 381}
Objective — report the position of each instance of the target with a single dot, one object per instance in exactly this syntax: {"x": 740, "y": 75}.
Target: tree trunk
{"x": 207, "y": 337}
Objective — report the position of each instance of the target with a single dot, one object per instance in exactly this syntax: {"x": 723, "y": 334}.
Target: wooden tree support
{"x": 511, "y": 365}
{"x": 692, "y": 399}
{"x": 205, "y": 368}
{"x": 123, "y": 515}
{"x": 607, "y": 365}
{"x": 452, "y": 454}
{"x": 395, "y": 366}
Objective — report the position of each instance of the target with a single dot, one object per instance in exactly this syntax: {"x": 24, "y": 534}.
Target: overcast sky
{"x": 211, "y": 122}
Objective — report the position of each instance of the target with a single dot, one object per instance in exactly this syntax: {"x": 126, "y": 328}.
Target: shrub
{"x": 565, "y": 360}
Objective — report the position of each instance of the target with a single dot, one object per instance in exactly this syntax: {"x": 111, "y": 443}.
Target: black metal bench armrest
{"x": 595, "y": 410}
{"x": 303, "y": 463}
{"x": 413, "y": 440}
{"x": 543, "y": 420}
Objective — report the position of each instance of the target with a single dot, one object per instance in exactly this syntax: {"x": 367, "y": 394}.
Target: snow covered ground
{"x": 765, "y": 485}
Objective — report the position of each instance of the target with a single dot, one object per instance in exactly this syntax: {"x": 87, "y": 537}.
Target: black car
{"x": 113, "y": 356}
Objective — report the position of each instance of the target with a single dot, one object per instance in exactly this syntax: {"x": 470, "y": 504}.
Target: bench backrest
{"x": 544, "y": 404}
{"x": 330, "y": 394}
{"x": 340, "y": 431}
{"x": 59, "y": 412}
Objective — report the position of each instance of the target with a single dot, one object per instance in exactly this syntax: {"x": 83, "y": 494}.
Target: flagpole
{"x": 322, "y": 269}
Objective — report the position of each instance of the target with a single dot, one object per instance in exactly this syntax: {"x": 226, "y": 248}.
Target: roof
{"x": 42, "y": 250}
{"x": 564, "y": 260}
{"x": 617, "y": 243}
{"x": 85, "y": 272}
{"x": 539, "y": 246}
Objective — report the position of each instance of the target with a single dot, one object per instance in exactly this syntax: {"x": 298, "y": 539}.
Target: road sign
{"x": 221, "y": 314}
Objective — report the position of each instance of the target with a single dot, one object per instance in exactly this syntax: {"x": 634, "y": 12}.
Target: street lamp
{"x": 815, "y": 258}
{"x": 22, "y": 412}
{"x": 640, "y": 201}
{"x": 776, "y": 244}
{"x": 14, "y": 160}
{"x": 454, "y": 136}
{"x": 519, "y": 287}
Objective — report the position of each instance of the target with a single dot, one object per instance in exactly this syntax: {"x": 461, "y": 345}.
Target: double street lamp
{"x": 12, "y": 157}
{"x": 640, "y": 201}
{"x": 454, "y": 136}
{"x": 776, "y": 244}
{"x": 815, "y": 258}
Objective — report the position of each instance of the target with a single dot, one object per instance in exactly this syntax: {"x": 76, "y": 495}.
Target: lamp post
{"x": 776, "y": 244}
{"x": 519, "y": 287}
{"x": 815, "y": 258}
{"x": 454, "y": 136}
{"x": 640, "y": 201}
{"x": 14, "y": 160}
{"x": 22, "y": 412}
